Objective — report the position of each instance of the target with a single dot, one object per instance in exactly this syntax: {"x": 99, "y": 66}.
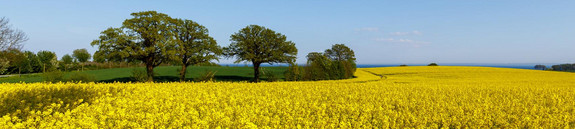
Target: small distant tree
{"x": 48, "y": 60}
{"x": 193, "y": 45}
{"x": 16, "y": 59}
{"x": 82, "y": 56}
{"x": 432, "y": 64}
{"x": 66, "y": 61}
{"x": 258, "y": 45}
{"x": 540, "y": 67}
{"x": 32, "y": 64}
{"x": 403, "y": 65}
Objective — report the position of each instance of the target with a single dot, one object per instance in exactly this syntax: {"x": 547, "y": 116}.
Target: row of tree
{"x": 559, "y": 67}
{"x": 15, "y": 61}
{"x": 155, "y": 38}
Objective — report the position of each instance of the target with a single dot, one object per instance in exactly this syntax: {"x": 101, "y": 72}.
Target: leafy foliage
{"x": 563, "y": 67}
{"x": 66, "y": 62}
{"x": 258, "y": 45}
{"x": 81, "y": 55}
{"x": 48, "y": 60}
{"x": 12, "y": 61}
{"x": 294, "y": 73}
{"x": 432, "y": 64}
{"x": 540, "y": 67}
{"x": 54, "y": 76}
{"x": 145, "y": 37}
{"x": 193, "y": 45}
{"x": 139, "y": 75}
{"x": 82, "y": 77}
{"x": 336, "y": 63}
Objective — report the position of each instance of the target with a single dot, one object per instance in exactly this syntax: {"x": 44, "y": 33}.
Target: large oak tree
{"x": 258, "y": 45}
{"x": 145, "y": 37}
{"x": 193, "y": 45}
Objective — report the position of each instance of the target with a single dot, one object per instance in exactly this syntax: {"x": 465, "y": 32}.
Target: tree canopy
{"x": 258, "y": 45}
{"x": 48, "y": 60}
{"x": 81, "y": 55}
{"x": 66, "y": 60}
{"x": 193, "y": 45}
{"x": 145, "y": 37}
{"x": 340, "y": 52}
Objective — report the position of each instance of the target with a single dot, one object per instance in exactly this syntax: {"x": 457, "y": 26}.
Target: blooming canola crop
{"x": 392, "y": 97}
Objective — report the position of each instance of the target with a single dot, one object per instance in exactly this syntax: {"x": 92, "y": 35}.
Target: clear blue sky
{"x": 380, "y": 32}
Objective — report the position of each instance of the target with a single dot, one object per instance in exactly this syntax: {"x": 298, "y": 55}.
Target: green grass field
{"x": 163, "y": 74}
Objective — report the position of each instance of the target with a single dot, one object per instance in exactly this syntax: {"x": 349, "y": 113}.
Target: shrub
{"x": 294, "y": 73}
{"x": 82, "y": 77}
{"x": 270, "y": 76}
{"x": 403, "y": 65}
{"x": 139, "y": 75}
{"x": 54, "y": 76}
{"x": 433, "y": 64}
{"x": 207, "y": 75}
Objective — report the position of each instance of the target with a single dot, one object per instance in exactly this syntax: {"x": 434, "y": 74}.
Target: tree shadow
{"x": 156, "y": 79}
{"x": 230, "y": 78}
{"x": 122, "y": 79}
{"x": 21, "y": 103}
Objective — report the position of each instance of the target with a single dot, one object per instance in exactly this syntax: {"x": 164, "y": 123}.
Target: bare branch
{"x": 11, "y": 38}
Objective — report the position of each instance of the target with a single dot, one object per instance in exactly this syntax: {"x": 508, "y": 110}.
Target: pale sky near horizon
{"x": 380, "y": 32}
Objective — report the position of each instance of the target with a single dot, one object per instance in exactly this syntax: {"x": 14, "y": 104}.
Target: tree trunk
{"x": 256, "y": 72}
{"x": 150, "y": 71}
{"x": 183, "y": 73}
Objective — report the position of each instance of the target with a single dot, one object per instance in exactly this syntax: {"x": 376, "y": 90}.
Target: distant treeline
{"x": 559, "y": 67}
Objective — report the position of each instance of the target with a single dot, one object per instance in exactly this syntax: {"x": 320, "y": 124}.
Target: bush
{"x": 433, "y": 64}
{"x": 54, "y": 76}
{"x": 139, "y": 75}
{"x": 207, "y": 75}
{"x": 294, "y": 73}
{"x": 270, "y": 76}
{"x": 82, "y": 77}
{"x": 403, "y": 65}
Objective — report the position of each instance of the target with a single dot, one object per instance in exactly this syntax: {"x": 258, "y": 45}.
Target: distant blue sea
{"x": 517, "y": 66}
{"x": 481, "y": 65}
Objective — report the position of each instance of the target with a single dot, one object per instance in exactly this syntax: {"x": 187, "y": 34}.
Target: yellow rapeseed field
{"x": 393, "y": 97}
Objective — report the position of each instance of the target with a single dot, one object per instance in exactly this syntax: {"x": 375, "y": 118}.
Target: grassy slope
{"x": 164, "y": 73}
